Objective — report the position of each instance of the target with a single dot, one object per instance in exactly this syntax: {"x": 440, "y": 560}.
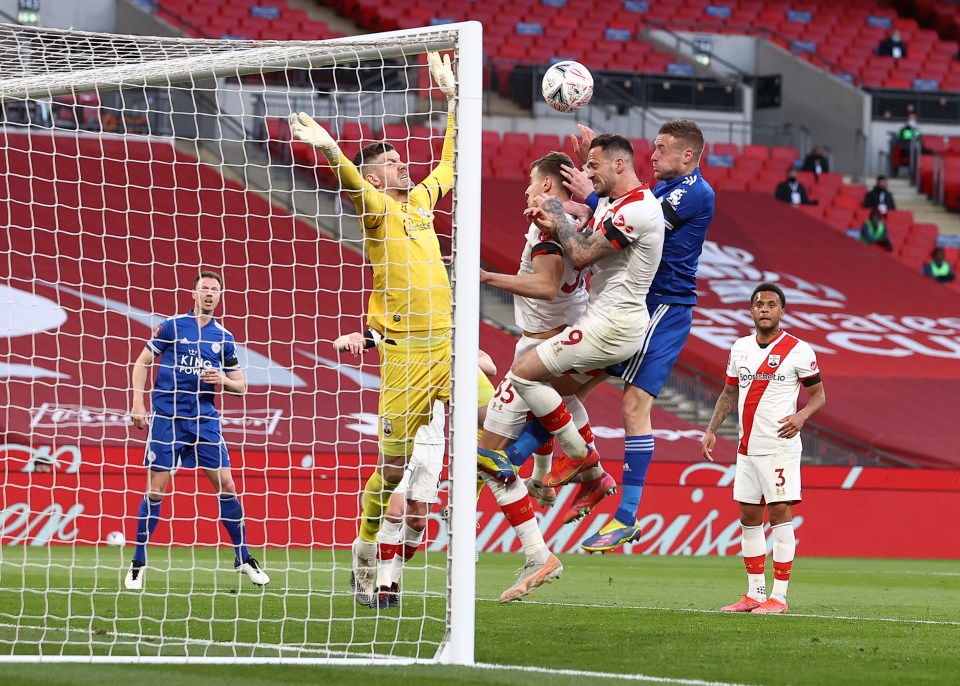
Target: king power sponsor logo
{"x": 813, "y": 313}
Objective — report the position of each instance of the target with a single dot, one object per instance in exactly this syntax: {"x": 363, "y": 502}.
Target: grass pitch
{"x": 629, "y": 617}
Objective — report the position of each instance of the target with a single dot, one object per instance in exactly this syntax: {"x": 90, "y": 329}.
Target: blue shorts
{"x": 187, "y": 441}
{"x": 650, "y": 366}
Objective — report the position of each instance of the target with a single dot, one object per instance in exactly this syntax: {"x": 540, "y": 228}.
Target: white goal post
{"x": 128, "y": 165}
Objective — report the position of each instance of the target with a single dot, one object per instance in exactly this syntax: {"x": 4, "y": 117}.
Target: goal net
{"x": 127, "y": 166}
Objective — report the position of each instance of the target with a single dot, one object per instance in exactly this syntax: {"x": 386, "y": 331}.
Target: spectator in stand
{"x": 938, "y": 268}
{"x": 892, "y": 46}
{"x": 879, "y": 198}
{"x": 792, "y": 191}
{"x": 908, "y": 135}
{"x": 816, "y": 162}
{"x": 874, "y": 232}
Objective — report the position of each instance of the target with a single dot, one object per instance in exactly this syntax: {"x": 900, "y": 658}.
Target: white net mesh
{"x": 128, "y": 165}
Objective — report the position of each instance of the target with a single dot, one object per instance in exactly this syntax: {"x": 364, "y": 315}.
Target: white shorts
{"x": 590, "y": 344}
{"x": 421, "y": 478}
{"x": 767, "y": 478}
{"x": 507, "y": 413}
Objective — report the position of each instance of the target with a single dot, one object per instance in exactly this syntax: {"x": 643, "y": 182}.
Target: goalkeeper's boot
{"x": 364, "y": 562}
{"x": 589, "y": 496}
{"x": 496, "y": 464}
{"x": 612, "y": 536}
{"x": 532, "y": 576}
{"x": 565, "y": 467}
{"x": 745, "y": 604}
{"x": 251, "y": 568}
{"x": 771, "y": 607}
{"x": 544, "y": 495}
{"x": 387, "y": 598}
{"x": 133, "y": 581}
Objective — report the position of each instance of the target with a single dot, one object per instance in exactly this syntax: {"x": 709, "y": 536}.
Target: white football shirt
{"x": 769, "y": 378}
{"x": 633, "y": 223}
{"x": 537, "y": 316}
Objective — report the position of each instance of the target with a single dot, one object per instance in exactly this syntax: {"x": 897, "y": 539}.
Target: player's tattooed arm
{"x": 725, "y": 405}
{"x": 583, "y": 248}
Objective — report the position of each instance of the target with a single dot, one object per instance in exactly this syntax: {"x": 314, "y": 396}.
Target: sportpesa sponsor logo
{"x": 747, "y": 377}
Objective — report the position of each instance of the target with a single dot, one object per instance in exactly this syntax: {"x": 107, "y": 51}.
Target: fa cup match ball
{"x": 567, "y": 86}
{"x": 115, "y": 538}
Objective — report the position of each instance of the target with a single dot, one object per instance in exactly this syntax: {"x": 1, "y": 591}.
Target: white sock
{"x": 754, "y": 544}
{"x": 389, "y": 534}
{"x": 531, "y": 538}
{"x": 541, "y": 465}
{"x": 784, "y": 550}
{"x": 542, "y": 400}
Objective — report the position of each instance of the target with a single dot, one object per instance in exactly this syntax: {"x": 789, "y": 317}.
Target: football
{"x": 115, "y": 538}
{"x": 567, "y": 86}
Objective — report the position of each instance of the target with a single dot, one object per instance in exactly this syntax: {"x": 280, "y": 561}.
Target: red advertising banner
{"x": 887, "y": 338}
{"x": 687, "y": 508}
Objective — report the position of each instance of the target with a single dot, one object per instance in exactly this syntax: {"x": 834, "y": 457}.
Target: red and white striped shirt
{"x": 769, "y": 377}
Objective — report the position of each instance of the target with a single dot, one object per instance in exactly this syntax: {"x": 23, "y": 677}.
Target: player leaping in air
{"x": 688, "y": 203}
{"x": 622, "y": 246}
{"x": 549, "y": 294}
{"x": 410, "y": 303}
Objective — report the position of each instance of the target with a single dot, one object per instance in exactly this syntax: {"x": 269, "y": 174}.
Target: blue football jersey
{"x": 688, "y": 203}
{"x": 184, "y": 350}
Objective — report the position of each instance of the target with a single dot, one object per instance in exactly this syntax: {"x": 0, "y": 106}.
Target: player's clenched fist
{"x": 304, "y": 128}
{"x": 442, "y": 74}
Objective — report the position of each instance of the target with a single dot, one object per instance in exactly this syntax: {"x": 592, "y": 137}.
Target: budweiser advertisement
{"x": 687, "y": 507}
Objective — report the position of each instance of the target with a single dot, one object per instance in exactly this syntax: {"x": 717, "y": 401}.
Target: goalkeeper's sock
{"x": 376, "y": 497}
{"x": 636, "y": 461}
{"x": 231, "y": 515}
{"x": 531, "y": 438}
{"x": 147, "y": 519}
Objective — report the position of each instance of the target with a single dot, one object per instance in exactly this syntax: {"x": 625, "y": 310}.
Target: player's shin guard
{"x": 376, "y": 497}
{"x": 636, "y": 460}
{"x": 147, "y": 519}
{"x": 531, "y": 438}
{"x": 784, "y": 550}
{"x": 231, "y": 515}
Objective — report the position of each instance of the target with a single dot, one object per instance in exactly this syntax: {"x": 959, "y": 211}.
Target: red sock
{"x": 781, "y": 570}
{"x": 754, "y": 565}
{"x": 587, "y": 433}
{"x": 557, "y": 419}
{"x": 518, "y": 512}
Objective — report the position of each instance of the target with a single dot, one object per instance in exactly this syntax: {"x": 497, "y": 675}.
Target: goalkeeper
{"x": 410, "y": 302}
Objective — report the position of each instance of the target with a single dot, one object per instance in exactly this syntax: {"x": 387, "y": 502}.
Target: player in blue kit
{"x": 196, "y": 357}
{"x": 687, "y": 201}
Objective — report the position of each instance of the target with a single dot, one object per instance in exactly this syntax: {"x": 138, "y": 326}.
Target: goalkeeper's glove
{"x": 304, "y": 128}
{"x": 442, "y": 73}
